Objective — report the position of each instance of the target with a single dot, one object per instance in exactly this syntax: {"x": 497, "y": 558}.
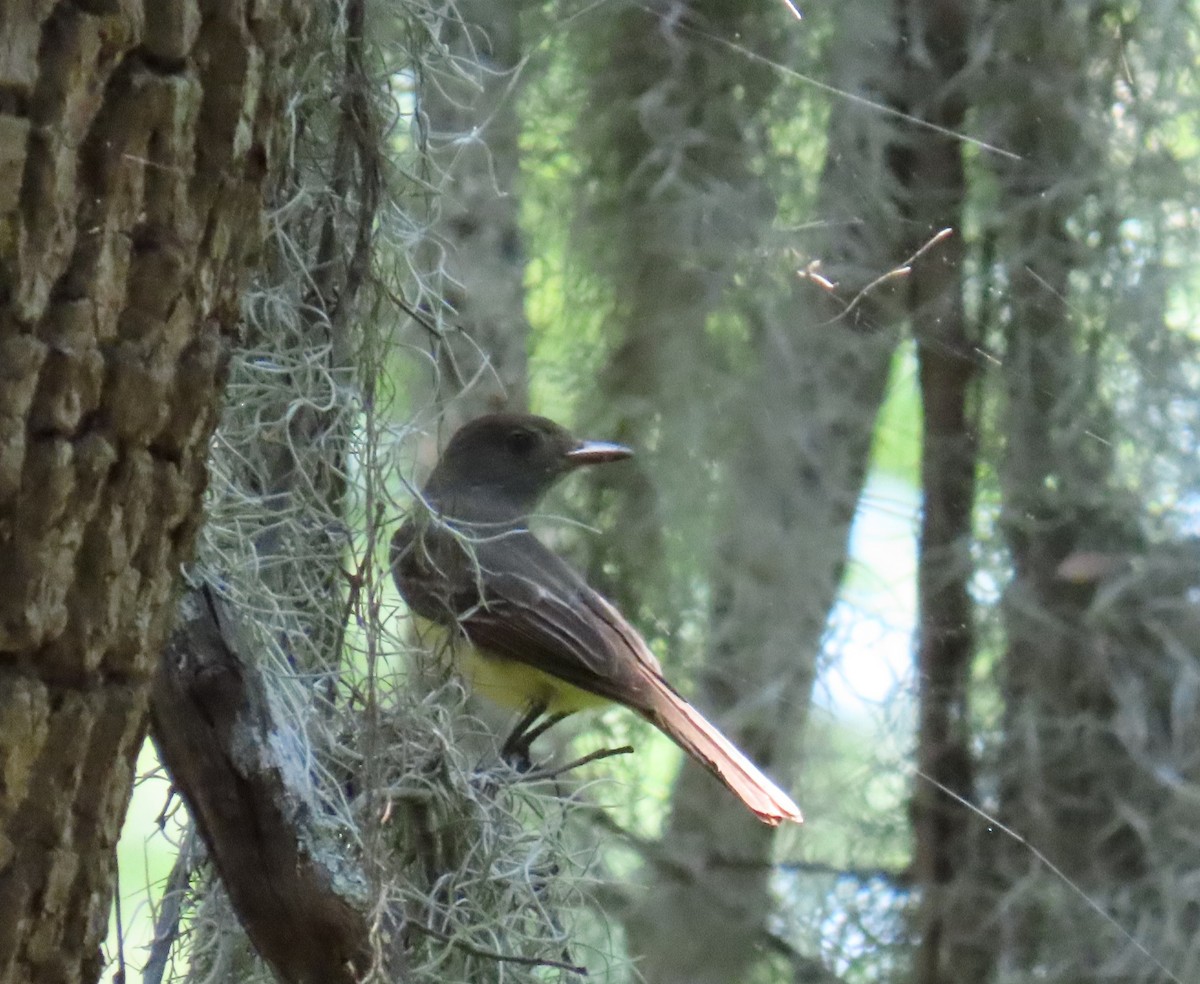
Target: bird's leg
{"x": 515, "y": 750}
{"x": 516, "y": 747}
{"x": 533, "y": 734}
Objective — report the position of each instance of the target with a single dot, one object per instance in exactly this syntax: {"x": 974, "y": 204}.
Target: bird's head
{"x": 499, "y": 466}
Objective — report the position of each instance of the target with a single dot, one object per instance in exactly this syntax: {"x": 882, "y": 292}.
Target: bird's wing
{"x": 535, "y": 609}
{"x": 516, "y": 599}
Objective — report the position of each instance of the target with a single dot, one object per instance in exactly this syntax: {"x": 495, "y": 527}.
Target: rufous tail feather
{"x": 684, "y": 725}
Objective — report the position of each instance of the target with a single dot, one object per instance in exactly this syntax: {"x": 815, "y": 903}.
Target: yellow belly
{"x": 505, "y": 681}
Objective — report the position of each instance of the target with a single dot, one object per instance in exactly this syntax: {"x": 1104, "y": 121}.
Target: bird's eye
{"x": 521, "y": 441}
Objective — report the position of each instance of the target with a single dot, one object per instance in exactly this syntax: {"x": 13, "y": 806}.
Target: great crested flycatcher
{"x": 525, "y": 630}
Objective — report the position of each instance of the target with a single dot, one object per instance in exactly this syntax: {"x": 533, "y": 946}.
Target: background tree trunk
{"x": 671, "y": 130}
{"x": 135, "y": 149}
{"x": 1064, "y": 777}
{"x": 934, "y": 42}
{"x": 797, "y": 460}
{"x": 473, "y": 253}
{"x": 1090, "y": 724}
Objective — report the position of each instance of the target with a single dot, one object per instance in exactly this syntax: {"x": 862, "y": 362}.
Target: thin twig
{"x": 119, "y": 976}
{"x": 484, "y": 954}
{"x": 896, "y": 273}
{"x": 166, "y": 926}
{"x": 595, "y": 756}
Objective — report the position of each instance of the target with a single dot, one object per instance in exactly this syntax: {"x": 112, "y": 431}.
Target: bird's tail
{"x": 684, "y": 725}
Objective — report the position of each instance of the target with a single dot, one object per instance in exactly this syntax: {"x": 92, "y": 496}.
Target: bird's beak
{"x": 597, "y": 453}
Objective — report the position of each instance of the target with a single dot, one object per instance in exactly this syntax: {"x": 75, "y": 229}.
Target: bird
{"x": 524, "y": 628}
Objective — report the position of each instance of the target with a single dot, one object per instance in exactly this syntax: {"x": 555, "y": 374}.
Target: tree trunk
{"x": 474, "y": 253}
{"x": 1063, "y": 778}
{"x": 804, "y": 426}
{"x": 933, "y": 39}
{"x": 791, "y": 503}
{"x": 134, "y": 151}
{"x": 673, "y": 131}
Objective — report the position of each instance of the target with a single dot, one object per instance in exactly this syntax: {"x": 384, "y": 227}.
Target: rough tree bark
{"x": 134, "y": 145}
{"x": 274, "y": 550}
